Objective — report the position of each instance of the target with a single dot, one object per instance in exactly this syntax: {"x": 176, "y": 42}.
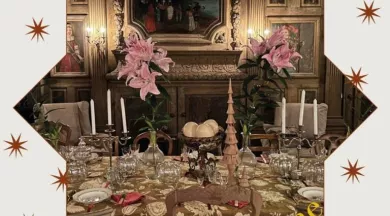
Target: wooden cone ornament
{"x": 230, "y": 153}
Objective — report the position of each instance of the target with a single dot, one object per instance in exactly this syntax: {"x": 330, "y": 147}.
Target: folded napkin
{"x": 127, "y": 199}
{"x": 263, "y": 159}
{"x": 238, "y": 204}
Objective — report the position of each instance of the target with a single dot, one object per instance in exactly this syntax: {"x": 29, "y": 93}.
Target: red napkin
{"x": 127, "y": 199}
{"x": 237, "y": 204}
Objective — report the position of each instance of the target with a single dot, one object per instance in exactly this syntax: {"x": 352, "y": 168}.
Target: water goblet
{"x": 126, "y": 151}
{"x": 134, "y": 148}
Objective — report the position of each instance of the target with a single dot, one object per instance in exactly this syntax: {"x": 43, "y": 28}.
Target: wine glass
{"x": 134, "y": 148}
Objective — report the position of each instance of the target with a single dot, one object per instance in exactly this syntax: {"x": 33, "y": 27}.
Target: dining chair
{"x": 332, "y": 141}
{"x": 160, "y": 136}
{"x": 271, "y": 138}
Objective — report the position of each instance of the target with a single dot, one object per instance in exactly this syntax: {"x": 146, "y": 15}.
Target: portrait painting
{"x": 176, "y": 16}
{"x": 311, "y": 3}
{"x": 79, "y": 2}
{"x": 74, "y": 61}
{"x": 277, "y": 3}
{"x": 301, "y": 37}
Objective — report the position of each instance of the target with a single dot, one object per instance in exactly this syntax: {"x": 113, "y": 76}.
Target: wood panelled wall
{"x": 255, "y": 14}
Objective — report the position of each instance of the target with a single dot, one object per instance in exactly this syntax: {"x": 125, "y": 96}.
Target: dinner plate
{"x": 312, "y": 193}
{"x": 92, "y": 196}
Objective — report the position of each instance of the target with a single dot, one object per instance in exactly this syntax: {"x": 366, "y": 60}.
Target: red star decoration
{"x": 37, "y": 29}
{"x": 62, "y": 179}
{"x": 16, "y": 145}
{"x": 356, "y": 79}
{"x": 369, "y": 12}
{"x": 353, "y": 171}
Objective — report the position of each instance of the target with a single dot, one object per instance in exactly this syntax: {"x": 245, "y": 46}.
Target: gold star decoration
{"x": 37, "y": 30}
{"x": 353, "y": 171}
{"x": 356, "y": 78}
{"x": 16, "y": 145}
{"x": 369, "y": 12}
{"x": 62, "y": 179}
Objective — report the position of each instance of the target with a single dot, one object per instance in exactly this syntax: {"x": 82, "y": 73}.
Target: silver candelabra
{"x": 300, "y": 140}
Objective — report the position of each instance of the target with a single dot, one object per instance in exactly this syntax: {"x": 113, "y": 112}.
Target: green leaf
{"x": 154, "y": 67}
{"x": 164, "y": 92}
{"x": 246, "y": 82}
{"x": 140, "y": 118}
{"x": 143, "y": 129}
{"x": 149, "y": 123}
{"x": 285, "y": 71}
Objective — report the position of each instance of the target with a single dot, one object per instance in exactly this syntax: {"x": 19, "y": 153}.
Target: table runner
{"x": 274, "y": 190}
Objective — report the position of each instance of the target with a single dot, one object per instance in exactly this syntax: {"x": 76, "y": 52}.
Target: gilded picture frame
{"x": 75, "y": 62}
{"x": 305, "y": 36}
{"x": 79, "y": 2}
{"x": 311, "y": 3}
{"x": 206, "y": 37}
{"x": 277, "y": 3}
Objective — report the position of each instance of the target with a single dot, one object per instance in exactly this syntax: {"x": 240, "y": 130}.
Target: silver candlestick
{"x": 108, "y": 148}
{"x": 94, "y": 140}
{"x": 123, "y": 140}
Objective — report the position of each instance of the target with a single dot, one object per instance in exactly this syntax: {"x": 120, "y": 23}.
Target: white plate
{"x": 92, "y": 196}
{"x": 312, "y": 193}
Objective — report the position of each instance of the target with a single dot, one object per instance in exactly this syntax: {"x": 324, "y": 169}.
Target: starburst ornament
{"x": 356, "y": 78}
{"x": 37, "y": 30}
{"x": 16, "y": 145}
{"x": 369, "y": 12}
{"x": 353, "y": 171}
{"x": 62, "y": 179}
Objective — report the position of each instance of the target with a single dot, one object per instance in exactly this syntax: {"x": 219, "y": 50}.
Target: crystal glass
{"x": 246, "y": 156}
{"x": 128, "y": 165}
{"x": 67, "y": 152}
{"x": 169, "y": 172}
{"x": 126, "y": 151}
{"x": 152, "y": 157}
{"x": 77, "y": 172}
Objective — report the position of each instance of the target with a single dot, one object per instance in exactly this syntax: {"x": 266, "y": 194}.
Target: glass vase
{"x": 152, "y": 157}
{"x": 247, "y": 158}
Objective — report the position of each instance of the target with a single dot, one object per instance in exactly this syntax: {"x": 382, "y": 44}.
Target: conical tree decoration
{"x": 230, "y": 153}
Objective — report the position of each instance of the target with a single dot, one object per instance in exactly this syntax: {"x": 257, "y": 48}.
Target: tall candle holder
{"x": 123, "y": 140}
{"x": 300, "y": 139}
{"x": 109, "y": 131}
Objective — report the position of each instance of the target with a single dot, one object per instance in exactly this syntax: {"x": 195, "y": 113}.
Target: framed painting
{"x": 277, "y": 3}
{"x": 79, "y": 2}
{"x": 75, "y": 61}
{"x": 303, "y": 34}
{"x": 176, "y": 20}
{"x": 311, "y": 3}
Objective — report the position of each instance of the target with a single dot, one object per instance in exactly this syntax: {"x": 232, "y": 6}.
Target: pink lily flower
{"x": 280, "y": 58}
{"x": 142, "y": 50}
{"x": 129, "y": 69}
{"x": 161, "y": 60}
{"x": 145, "y": 81}
{"x": 276, "y": 39}
{"x": 130, "y": 41}
{"x": 258, "y": 48}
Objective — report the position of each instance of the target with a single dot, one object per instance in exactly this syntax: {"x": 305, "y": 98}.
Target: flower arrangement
{"x": 144, "y": 63}
{"x": 272, "y": 57}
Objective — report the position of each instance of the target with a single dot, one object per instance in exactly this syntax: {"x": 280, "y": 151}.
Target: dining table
{"x": 278, "y": 194}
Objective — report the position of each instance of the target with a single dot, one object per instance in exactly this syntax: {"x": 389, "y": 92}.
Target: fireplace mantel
{"x": 197, "y": 65}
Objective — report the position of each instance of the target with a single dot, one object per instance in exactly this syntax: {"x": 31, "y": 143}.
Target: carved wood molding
{"x": 201, "y": 65}
{"x": 214, "y": 195}
{"x": 235, "y": 20}
{"x": 119, "y": 22}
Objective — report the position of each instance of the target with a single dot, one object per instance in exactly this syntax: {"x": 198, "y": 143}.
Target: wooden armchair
{"x": 332, "y": 142}
{"x": 271, "y": 139}
{"x": 160, "y": 136}
{"x": 65, "y": 132}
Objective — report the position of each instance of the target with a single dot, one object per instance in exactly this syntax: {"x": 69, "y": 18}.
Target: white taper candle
{"x": 93, "y": 117}
{"x": 123, "y": 115}
{"x": 315, "y": 117}
{"x": 109, "y": 107}
{"x": 284, "y": 116}
{"x": 300, "y": 123}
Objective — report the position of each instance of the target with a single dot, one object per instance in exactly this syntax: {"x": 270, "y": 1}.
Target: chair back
{"x": 160, "y": 136}
{"x": 271, "y": 138}
{"x": 333, "y": 141}
{"x": 74, "y": 115}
